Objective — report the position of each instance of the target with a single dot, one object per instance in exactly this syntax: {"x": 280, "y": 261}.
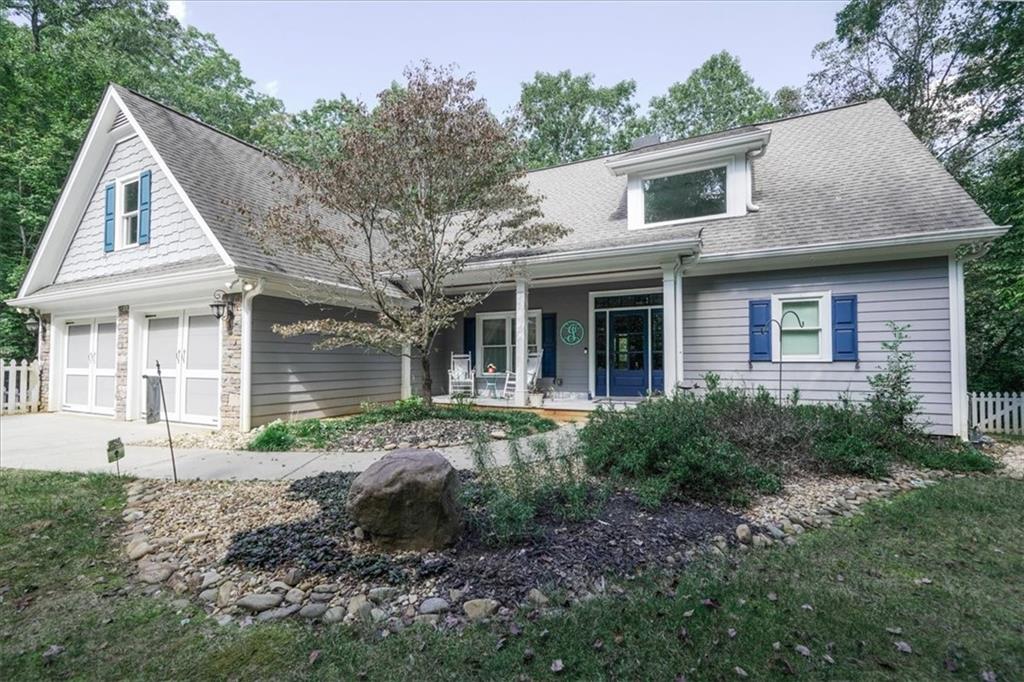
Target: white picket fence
{"x": 998, "y": 412}
{"x": 19, "y": 386}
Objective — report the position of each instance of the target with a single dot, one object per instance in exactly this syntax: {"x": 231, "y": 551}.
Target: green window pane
{"x": 802, "y": 342}
{"x": 806, "y": 310}
{"x": 493, "y": 332}
{"x": 689, "y": 195}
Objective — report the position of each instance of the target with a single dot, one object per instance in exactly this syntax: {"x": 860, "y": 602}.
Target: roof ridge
{"x": 193, "y": 119}
{"x": 754, "y": 124}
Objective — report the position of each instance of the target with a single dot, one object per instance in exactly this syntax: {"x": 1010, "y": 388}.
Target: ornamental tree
{"x": 423, "y": 184}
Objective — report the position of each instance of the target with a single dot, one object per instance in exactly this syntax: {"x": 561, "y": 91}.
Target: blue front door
{"x": 627, "y": 352}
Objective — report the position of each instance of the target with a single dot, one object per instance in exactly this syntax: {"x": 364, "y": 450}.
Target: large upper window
{"x": 130, "y": 213}
{"x": 496, "y": 339}
{"x": 686, "y": 195}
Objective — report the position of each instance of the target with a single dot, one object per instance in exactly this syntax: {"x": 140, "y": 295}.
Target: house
{"x": 682, "y": 258}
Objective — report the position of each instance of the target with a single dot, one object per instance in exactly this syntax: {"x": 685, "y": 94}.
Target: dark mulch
{"x": 622, "y": 540}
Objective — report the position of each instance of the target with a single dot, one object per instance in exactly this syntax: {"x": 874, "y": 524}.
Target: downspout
{"x": 249, "y": 292}
{"x": 751, "y": 155}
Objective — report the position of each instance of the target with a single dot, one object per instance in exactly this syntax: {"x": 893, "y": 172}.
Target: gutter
{"x": 692, "y": 244}
{"x": 963, "y": 235}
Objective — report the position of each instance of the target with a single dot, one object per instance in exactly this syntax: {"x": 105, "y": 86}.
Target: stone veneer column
{"x": 231, "y": 363}
{"x": 121, "y": 365}
{"x": 43, "y": 355}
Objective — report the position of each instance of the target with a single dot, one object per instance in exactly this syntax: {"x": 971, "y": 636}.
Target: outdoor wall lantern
{"x": 218, "y": 306}
{"x": 32, "y": 324}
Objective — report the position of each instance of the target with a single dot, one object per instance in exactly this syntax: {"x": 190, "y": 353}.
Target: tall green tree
{"x": 311, "y": 135}
{"x": 952, "y": 68}
{"x": 717, "y": 95}
{"x": 995, "y": 283}
{"x": 56, "y": 57}
{"x": 566, "y": 118}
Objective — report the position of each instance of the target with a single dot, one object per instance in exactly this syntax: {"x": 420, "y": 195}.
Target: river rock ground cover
{"x": 260, "y": 550}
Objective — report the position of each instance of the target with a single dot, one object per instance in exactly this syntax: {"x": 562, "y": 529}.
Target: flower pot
{"x": 536, "y": 399}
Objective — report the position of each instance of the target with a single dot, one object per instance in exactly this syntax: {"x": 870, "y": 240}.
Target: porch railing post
{"x": 522, "y": 339}
{"x": 672, "y": 291}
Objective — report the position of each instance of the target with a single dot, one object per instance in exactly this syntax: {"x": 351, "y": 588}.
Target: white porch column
{"x": 522, "y": 343}
{"x": 672, "y": 325}
{"x": 406, "y": 371}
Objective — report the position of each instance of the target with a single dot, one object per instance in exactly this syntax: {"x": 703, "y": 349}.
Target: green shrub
{"x": 274, "y": 437}
{"x": 670, "y": 445}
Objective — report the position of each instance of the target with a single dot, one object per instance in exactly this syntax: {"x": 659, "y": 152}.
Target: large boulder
{"x": 407, "y": 500}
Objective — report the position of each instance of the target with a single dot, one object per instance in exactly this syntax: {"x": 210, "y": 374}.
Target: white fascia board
{"x": 201, "y": 282}
{"x": 898, "y": 247}
{"x": 643, "y": 162}
{"x": 218, "y": 247}
{"x": 86, "y": 153}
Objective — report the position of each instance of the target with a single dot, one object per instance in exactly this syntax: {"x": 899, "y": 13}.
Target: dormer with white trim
{"x": 696, "y": 180}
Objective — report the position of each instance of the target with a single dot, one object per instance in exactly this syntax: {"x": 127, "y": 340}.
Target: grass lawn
{"x": 944, "y": 565}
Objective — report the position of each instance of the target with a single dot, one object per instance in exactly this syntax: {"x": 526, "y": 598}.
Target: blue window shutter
{"x": 144, "y": 183}
{"x": 549, "y": 344}
{"x": 469, "y": 338}
{"x": 844, "y": 327}
{"x": 108, "y": 219}
{"x": 760, "y": 331}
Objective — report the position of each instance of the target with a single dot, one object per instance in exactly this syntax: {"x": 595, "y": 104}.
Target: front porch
{"x": 601, "y": 341}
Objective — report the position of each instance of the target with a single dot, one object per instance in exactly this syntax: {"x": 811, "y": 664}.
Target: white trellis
{"x": 19, "y": 386}
{"x": 998, "y": 412}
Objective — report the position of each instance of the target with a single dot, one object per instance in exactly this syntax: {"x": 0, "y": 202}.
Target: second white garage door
{"x": 187, "y": 346}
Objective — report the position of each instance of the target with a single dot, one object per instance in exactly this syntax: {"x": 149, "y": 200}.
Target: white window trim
{"x": 120, "y": 243}
{"x": 824, "y": 299}
{"x": 736, "y": 185}
{"x": 509, "y": 316}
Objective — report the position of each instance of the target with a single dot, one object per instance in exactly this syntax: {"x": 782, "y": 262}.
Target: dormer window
{"x": 689, "y": 181}
{"x": 695, "y": 194}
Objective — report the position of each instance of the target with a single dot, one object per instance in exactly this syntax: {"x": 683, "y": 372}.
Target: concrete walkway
{"x": 69, "y": 442}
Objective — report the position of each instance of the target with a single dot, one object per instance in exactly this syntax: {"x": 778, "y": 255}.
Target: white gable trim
{"x": 51, "y": 250}
{"x": 174, "y": 181}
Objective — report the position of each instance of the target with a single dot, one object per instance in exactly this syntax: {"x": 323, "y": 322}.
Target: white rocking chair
{"x": 532, "y": 373}
{"x": 460, "y": 376}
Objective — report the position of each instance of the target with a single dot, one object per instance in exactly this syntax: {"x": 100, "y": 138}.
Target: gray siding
{"x": 715, "y": 329}
{"x": 175, "y": 236}
{"x": 291, "y": 380}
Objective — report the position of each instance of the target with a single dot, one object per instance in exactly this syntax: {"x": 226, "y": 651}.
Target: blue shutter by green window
{"x": 844, "y": 327}
{"x": 760, "y": 331}
{"x": 469, "y": 339}
{"x": 144, "y": 182}
{"x": 548, "y": 343}
{"x": 108, "y": 219}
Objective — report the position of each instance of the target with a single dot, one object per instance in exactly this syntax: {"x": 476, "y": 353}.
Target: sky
{"x": 301, "y": 51}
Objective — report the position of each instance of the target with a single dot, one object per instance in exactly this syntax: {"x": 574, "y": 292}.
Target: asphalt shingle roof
{"x": 845, "y": 174}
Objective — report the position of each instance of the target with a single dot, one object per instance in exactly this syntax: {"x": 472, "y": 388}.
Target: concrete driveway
{"x": 70, "y": 442}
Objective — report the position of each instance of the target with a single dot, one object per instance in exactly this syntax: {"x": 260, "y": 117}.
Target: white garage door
{"x": 90, "y": 353}
{"x": 187, "y": 346}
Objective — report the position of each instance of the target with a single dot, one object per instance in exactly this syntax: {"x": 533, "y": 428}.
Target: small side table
{"x": 491, "y": 380}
